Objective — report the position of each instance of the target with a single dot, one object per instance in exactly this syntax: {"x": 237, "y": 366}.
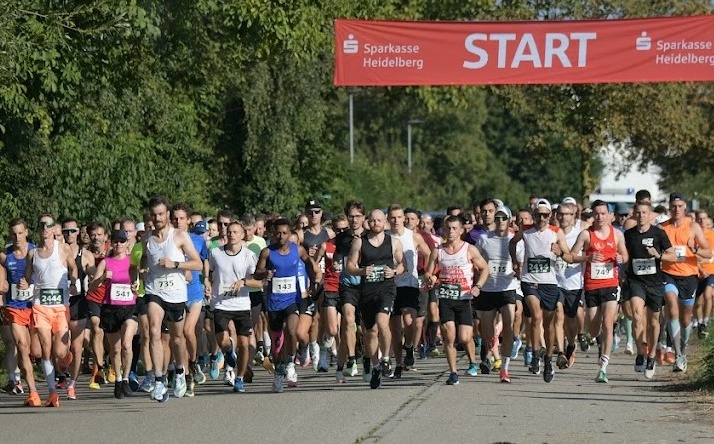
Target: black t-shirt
{"x": 642, "y": 266}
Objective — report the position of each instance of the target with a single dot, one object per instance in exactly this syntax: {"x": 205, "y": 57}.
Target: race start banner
{"x": 385, "y": 53}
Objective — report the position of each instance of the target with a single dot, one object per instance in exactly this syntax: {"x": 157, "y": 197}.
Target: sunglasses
{"x": 542, "y": 215}
{"x": 224, "y": 224}
{"x": 315, "y": 211}
{"x": 341, "y": 230}
{"x": 44, "y": 225}
{"x": 500, "y": 218}
{"x": 70, "y": 230}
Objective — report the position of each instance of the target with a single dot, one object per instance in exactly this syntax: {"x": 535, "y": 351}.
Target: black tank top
{"x": 381, "y": 255}
{"x": 311, "y": 240}
{"x": 80, "y": 272}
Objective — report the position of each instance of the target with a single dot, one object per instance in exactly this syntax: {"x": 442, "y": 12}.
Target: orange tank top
{"x": 679, "y": 236}
{"x": 601, "y": 274}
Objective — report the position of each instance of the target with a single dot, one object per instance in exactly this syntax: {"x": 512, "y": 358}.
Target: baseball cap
{"x": 499, "y": 203}
{"x": 504, "y": 210}
{"x": 200, "y": 227}
{"x": 569, "y": 200}
{"x": 622, "y": 208}
{"x": 119, "y": 235}
{"x": 543, "y": 203}
{"x": 662, "y": 218}
{"x": 140, "y": 226}
{"x": 677, "y": 196}
{"x": 313, "y": 205}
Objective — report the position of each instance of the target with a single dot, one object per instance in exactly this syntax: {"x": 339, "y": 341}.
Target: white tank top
{"x": 457, "y": 271}
{"x": 409, "y": 278}
{"x": 51, "y": 279}
{"x": 226, "y": 269}
{"x": 570, "y": 276}
{"x": 168, "y": 284}
{"x": 539, "y": 261}
{"x": 494, "y": 250}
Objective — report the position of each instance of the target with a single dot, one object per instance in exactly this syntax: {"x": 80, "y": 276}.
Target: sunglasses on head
{"x": 44, "y": 225}
{"x": 70, "y": 230}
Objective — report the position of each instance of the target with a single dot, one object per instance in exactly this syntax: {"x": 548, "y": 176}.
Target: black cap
{"x": 677, "y": 196}
{"x": 119, "y": 235}
{"x": 313, "y": 205}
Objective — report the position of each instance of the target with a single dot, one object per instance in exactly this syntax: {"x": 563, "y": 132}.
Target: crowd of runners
{"x": 179, "y": 298}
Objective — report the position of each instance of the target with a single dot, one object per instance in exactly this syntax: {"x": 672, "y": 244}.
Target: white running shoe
{"x": 315, "y": 355}
{"x": 230, "y": 377}
{"x": 291, "y": 375}
{"x": 180, "y": 385}
{"x": 161, "y": 392}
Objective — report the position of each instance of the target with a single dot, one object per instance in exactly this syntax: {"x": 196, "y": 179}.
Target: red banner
{"x": 382, "y": 53}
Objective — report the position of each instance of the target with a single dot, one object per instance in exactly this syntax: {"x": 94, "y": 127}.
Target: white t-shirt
{"x": 226, "y": 270}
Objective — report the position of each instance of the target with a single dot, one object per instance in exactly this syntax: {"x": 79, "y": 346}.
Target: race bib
{"x": 51, "y": 296}
{"x": 602, "y": 270}
{"x": 121, "y": 293}
{"x": 642, "y": 267}
{"x": 168, "y": 283}
{"x": 538, "y": 265}
{"x": 284, "y": 285}
{"x": 322, "y": 264}
{"x": 560, "y": 265}
{"x": 226, "y": 291}
{"x": 500, "y": 268}
{"x": 681, "y": 252}
{"x": 449, "y": 291}
{"x": 377, "y": 274}
{"x": 22, "y": 295}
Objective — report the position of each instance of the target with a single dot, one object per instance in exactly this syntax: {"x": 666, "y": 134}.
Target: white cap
{"x": 570, "y": 200}
{"x": 662, "y": 218}
{"x": 543, "y": 203}
{"x": 140, "y": 226}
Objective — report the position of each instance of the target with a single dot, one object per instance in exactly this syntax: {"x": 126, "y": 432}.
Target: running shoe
{"x": 94, "y": 385}
{"x": 584, "y": 342}
{"x": 126, "y": 388}
{"x": 229, "y": 378}
{"x": 702, "y": 331}
{"x": 268, "y": 365}
{"x": 409, "y": 358}
{"x": 548, "y": 371}
{"x": 314, "y": 355}
{"x": 601, "y": 377}
{"x": 534, "y": 368}
{"x": 340, "y": 378}
{"x": 180, "y": 385}
{"x": 650, "y": 368}
{"x": 528, "y": 357}
{"x": 133, "y": 381}
{"x": 561, "y": 361}
{"x": 680, "y": 364}
{"x": 278, "y": 376}
{"x": 472, "y": 370}
{"x": 214, "y": 372}
{"x": 229, "y": 355}
{"x": 376, "y": 379}
{"x": 669, "y": 357}
{"x": 640, "y": 363}
{"x": 485, "y": 367}
{"x": 238, "y": 387}
{"x": 248, "y": 376}
{"x": 629, "y": 349}
{"x": 117, "y": 390}
{"x": 147, "y": 385}
{"x": 71, "y": 393}
{"x": 386, "y": 365}
{"x": 17, "y": 388}
{"x": 53, "y": 400}
{"x": 190, "y": 387}
{"x": 350, "y": 369}
{"x": 397, "y": 373}
{"x": 517, "y": 344}
{"x": 434, "y": 353}
{"x": 111, "y": 375}
{"x": 497, "y": 364}
{"x": 291, "y": 375}
{"x": 161, "y": 392}
{"x": 33, "y": 400}
{"x": 258, "y": 357}
{"x": 453, "y": 379}
{"x": 504, "y": 376}
{"x": 198, "y": 376}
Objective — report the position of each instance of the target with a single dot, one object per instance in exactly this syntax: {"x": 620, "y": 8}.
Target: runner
{"x": 278, "y": 263}
{"x": 17, "y": 309}
{"x": 51, "y": 267}
{"x": 378, "y": 257}
{"x": 231, "y": 268}
{"x": 99, "y": 249}
{"x": 456, "y": 285}
{"x": 257, "y": 297}
{"x": 428, "y": 297}
{"x": 163, "y": 261}
{"x": 682, "y": 276}
{"x": 119, "y": 314}
{"x": 603, "y": 249}
{"x": 647, "y": 245}
{"x": 705, "y": 291}
{"x": 78, "y": 309}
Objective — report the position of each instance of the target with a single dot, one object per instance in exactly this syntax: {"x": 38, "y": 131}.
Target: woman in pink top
{"x": 119, "y": 313}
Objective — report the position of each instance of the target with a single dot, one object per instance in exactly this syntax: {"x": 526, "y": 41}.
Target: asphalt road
{"x": 418, "y": 408}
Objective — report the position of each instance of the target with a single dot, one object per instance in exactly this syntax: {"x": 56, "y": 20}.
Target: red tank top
{"x": 601, "y": 274}
{"x": 332, "y": 278}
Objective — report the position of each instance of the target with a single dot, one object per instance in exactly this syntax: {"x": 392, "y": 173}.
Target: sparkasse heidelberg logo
{"x": 350, "y": 45}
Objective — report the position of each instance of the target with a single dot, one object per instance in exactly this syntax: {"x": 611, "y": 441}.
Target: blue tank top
{"x": 16, "y": 270}
{"x": 283, "y": 290}
{"x": 195, "y": 287}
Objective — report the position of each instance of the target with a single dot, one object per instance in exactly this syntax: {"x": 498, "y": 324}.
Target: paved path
{"x": 417, "y": 408}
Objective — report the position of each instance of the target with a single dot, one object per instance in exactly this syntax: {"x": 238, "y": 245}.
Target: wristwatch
{"x": 176, "y": 264}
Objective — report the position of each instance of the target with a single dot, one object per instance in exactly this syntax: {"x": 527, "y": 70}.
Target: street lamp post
{"x": 409, "y": 142}
{"x": 352, "y": 130}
